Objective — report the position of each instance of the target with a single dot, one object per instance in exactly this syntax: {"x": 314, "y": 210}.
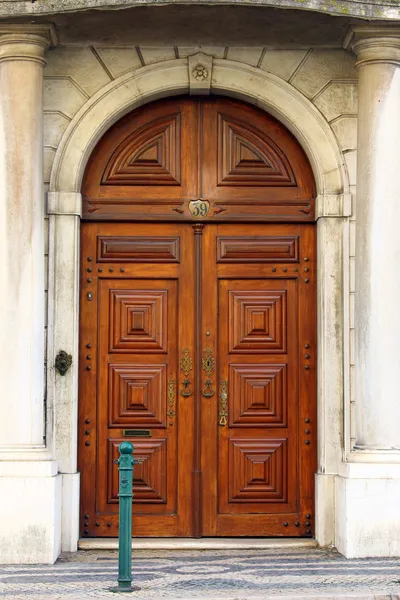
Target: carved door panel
{"x": 253, "y": 169}
{"x": 146, "y": 164}
{"x": 259, "y": 427}
{"x": 136, "y": 281}
{"x": 238, "y": 161}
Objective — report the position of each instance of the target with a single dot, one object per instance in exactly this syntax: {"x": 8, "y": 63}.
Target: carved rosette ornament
{"x": 200, "y": 71}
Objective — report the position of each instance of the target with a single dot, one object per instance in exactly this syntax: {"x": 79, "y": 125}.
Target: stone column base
{"x": 367, "y": 510}
{"x": 325, "y": 509}
{"x": 70, "y": 512}
{"x": 30, "y": 517}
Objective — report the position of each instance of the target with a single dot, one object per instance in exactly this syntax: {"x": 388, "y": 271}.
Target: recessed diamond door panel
{"x": 258, "y": 321}
{"x": 137, "y": 395}
{"x": 259, "y": 470}
{"x": 258, "y": 395}
{"x": 138, "y": 320}
{"x": 150, "y": 473}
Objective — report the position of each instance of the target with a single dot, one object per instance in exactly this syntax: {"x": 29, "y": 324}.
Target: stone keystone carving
{"x": 200, "y": 72}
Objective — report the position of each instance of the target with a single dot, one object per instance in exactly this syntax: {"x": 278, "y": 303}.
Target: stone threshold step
{"x": 366, "y": 595}
{"x": 198, "y": 544}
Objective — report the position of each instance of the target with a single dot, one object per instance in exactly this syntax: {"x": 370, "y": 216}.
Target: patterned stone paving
{"x": 208, "y": 575}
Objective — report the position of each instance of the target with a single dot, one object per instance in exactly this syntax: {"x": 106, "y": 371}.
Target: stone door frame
{"x": 301, "y": 117}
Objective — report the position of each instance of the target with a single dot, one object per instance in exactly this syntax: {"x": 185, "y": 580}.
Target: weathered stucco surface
{"x": 383, "y": 9}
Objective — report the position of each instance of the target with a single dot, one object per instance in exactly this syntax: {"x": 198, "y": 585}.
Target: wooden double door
{"x": 198, "y": 346}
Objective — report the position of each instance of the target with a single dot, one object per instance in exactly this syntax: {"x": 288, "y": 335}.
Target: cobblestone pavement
{"x": 208, "y": 575}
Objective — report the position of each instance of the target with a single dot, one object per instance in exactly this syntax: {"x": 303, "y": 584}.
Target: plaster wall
{"x": 324, "y": 77}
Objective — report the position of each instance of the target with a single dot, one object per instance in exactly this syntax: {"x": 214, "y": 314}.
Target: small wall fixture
{"x": 63, "y": 362}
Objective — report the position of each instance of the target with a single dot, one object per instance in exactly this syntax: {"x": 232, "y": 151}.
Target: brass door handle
{"x": 223, "y": 395}
{"x": 207, "y": 391}
{"x": 186, "y": 391}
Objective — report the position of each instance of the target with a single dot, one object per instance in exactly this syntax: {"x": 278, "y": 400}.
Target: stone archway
{"x": 169, "y": 78}
{"x": 269, "y": 92}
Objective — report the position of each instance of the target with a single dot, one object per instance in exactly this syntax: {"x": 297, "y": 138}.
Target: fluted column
{"x": 22, "y": 49}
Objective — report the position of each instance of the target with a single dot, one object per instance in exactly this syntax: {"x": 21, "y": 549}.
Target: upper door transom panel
{"x": 214, "y": 159}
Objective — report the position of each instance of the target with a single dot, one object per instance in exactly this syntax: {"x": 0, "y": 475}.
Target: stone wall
{"x": 325, "y": 77}
{"x": 383, "y": 9}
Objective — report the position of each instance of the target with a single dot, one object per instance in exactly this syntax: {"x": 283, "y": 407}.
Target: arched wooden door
{"x": 197, "y": 323}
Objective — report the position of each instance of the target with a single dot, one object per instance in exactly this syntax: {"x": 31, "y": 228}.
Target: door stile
{"x": 196, "y": 475}
{"x": 185, "y": 394}
{"x": 209, "y": 423}
{"x": 198, "y": 294}
{"x": 88, "y": 365}
{"x": 307, "y": 320}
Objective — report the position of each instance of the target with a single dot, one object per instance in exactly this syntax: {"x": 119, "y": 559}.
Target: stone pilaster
{"x": 64, "y": 209}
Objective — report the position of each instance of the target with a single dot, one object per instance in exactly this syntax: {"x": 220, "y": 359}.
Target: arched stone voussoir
{"x": 108, "y": 105}
{"x": 294, "y": 110}
{"x": 230, "y": 78}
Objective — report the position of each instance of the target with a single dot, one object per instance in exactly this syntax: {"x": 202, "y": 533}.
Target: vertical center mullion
{"x": 198, "y": 238}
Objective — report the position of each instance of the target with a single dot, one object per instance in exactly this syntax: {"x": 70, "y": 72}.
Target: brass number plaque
{"x": 199, "y": 208}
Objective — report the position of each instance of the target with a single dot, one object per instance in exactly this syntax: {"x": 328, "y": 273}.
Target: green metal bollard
{"x": 125, "y": 466}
